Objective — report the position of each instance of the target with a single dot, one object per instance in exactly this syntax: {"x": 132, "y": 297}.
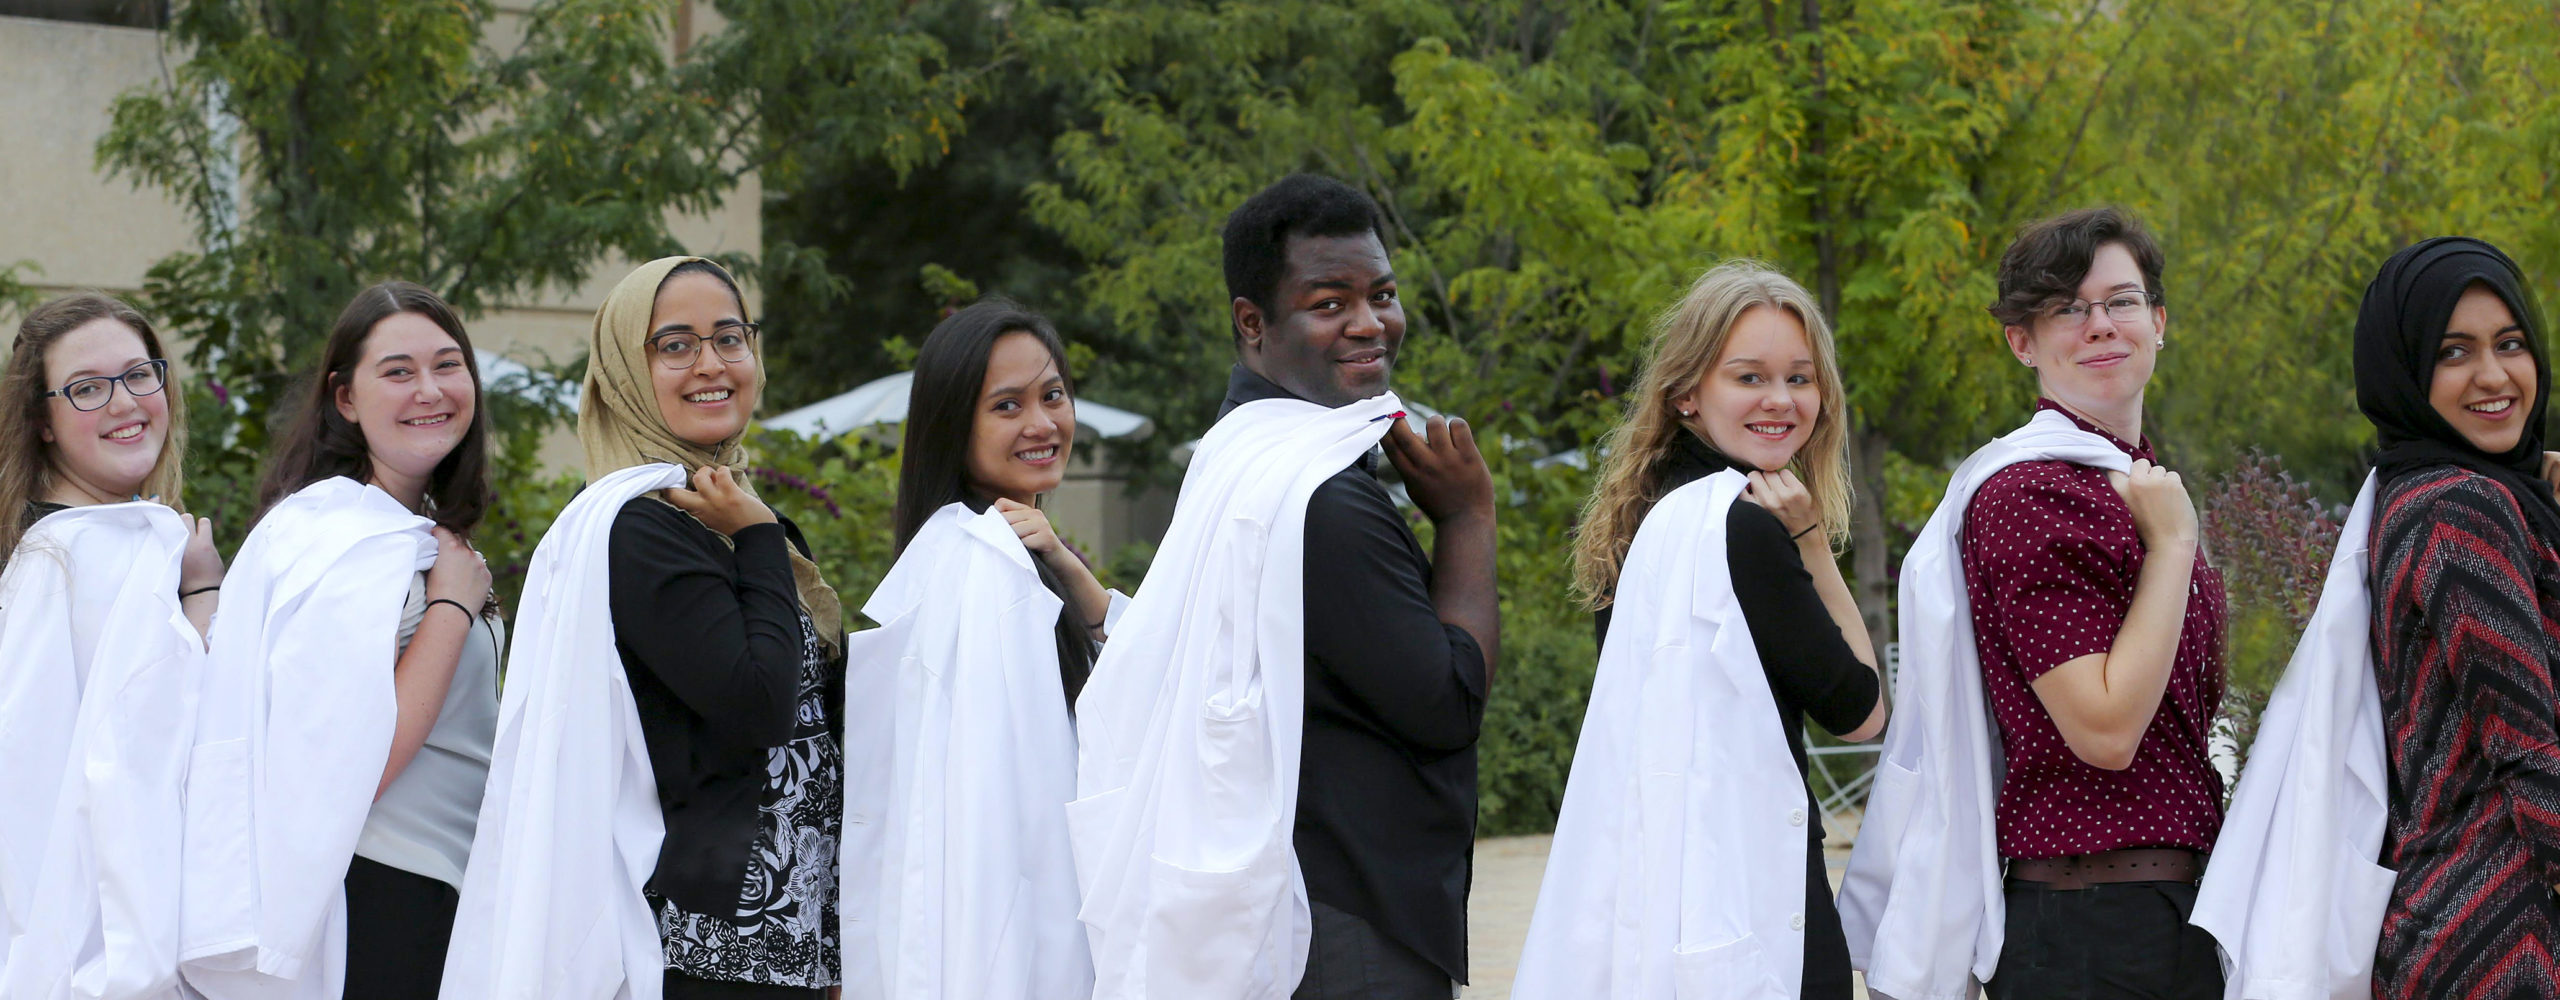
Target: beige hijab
{"x": 619, "y": 422}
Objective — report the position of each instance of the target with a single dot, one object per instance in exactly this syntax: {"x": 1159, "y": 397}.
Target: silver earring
{"x": 2159, "y": 342}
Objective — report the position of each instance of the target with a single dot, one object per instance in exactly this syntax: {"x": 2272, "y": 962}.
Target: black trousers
{"x": 679, "y": 986}
{"x": 2115, "y": 941}
{"x": 1826, "y": 946}
{"x": 398, "y": 924}
{"x": 1349, "y": 960}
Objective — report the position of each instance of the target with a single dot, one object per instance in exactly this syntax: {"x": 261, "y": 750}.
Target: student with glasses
{"x": 726, "y": 650}
{"x": 2097, "y": 652}
{"x": 105, "y": 595}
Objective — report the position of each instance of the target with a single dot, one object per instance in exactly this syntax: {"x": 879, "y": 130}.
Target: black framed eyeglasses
{"x": 677, "y": 350}
{"x": 93, "y": 392}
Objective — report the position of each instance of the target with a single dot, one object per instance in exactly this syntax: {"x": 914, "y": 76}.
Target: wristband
{"x": 184, "y": 594}
{"x": 1807, "y": 528}
{"x": 457, "y": 606}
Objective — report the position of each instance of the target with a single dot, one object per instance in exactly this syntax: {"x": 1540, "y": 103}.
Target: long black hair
{"x": 321, "y": 442}
{"x": 942, "y": 413}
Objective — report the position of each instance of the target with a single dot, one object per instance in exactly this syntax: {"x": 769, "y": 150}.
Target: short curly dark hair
{"x": 1257, "y": 234}
{"x": 2050, "y": 257}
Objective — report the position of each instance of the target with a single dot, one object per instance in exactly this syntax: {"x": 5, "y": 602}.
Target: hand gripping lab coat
{"x": 569, "y": 830}
{"x": 1921, "y": 900}
{"x": 1192, "y": 723}
{"x": 2292, "y": 893}
{"x": 292, "y": 733}
{"x": 958, "y": 879}
{"x": 98, "y": 672}
{"x": 1677, "y": 871}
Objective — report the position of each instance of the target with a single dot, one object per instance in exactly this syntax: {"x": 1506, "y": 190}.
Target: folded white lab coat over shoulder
{"x": 958, "y": 879}
{"x": 293, "y": 729}
{"x": 1677, "y": 870}
{"x": 569, "y": 830}
{"x": 98, "y": 672}
{"x": 1921, "y": 900}
{"x": 2293, "y": 893}
{"x": 1192, "y": 722}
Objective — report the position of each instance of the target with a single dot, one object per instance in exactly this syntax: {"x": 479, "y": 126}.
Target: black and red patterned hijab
{"x": 2397, "y": 333}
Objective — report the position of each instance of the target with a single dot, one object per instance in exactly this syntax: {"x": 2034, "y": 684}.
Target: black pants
{"x": 398, "y": 924}
{"x": 1349, "y": 960}
{"x": 679, "y": 986}
{"x": 2116, "y": 941}
{"x": 1826, "y": 946}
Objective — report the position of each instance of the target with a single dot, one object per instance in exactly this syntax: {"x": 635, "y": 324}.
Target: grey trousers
{"x": 1349, "y": 960}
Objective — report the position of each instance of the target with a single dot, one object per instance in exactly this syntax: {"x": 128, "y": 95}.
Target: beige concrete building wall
{"x": 81, "y": 229}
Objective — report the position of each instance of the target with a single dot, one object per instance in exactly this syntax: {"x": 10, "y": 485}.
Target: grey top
{"x": 423, "y": 823}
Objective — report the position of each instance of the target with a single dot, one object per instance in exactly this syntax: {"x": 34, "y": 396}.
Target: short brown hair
{"x": 2050, "y": 257}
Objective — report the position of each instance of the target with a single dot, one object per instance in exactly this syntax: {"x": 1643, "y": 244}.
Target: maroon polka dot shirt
{"x": 2050, "y": 562}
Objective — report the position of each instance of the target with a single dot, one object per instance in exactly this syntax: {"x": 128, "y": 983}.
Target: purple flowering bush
{"x": 2271, "y": 536}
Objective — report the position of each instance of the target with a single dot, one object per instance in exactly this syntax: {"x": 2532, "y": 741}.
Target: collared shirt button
{"x": 1795, "y": 817}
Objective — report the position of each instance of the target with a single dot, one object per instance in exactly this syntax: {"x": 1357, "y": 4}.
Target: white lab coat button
{"x": 1795, "y": 817}
{"x": 1795, "y": 923}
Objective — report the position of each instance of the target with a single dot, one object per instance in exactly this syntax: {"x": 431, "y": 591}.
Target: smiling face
{"x": 1025, "y": 423}
{"x": 1759, "y": 401}
{"x": 1335, "y": 324}
{"x": 711, "y": 401}
{"x": 2484, "y": 381}
{"x": 102, "y": 455}
{"x": 410, "y": 391}
{"x": 2099, "y": 368}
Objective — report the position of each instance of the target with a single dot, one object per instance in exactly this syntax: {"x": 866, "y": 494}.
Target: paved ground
{"x": 1506, "y": 890}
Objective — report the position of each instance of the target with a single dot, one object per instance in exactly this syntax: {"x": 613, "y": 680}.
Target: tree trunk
{"x": 1869, "y": 536}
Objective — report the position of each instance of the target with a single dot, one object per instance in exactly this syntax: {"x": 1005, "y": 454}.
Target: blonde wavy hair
{"x": 1687, "y": 340}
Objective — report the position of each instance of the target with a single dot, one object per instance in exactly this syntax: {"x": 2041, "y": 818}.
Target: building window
{"x": 120, "y": 13}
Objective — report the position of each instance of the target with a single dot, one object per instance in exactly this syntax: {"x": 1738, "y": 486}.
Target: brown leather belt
{"x": 2132, "y": 864}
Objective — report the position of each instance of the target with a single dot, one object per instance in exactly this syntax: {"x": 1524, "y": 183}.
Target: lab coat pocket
{"x": 219, "y": 904}
{"x": 1891, "y": 807}
{"x": 1733, "y": 970}
{"x": 2355, "y": 921}
{"x": 1090, "y": 828}
{"x": 1217, "y": 916}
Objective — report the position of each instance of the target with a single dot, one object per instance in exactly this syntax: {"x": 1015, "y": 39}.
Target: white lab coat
{"x": 98, "y": 672}
{"x": 569, "y": 830}
{"x": 1921, "y": 900}
{"x": 1677, "y": 871}
{"x": 958, "y": 878}
{"x": 2293, "y": 893}
{"x": 1191, "y": 725}
{"x": 292, "y": 733}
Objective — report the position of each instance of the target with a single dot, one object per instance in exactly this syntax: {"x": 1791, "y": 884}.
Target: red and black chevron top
{"x": 2466, "y": 634}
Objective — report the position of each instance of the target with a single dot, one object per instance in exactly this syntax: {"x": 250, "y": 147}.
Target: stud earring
{"x": 2159, "y": 342}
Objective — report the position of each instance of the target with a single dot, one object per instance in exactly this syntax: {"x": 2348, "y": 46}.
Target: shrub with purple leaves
{"x": 2271, "y": 536}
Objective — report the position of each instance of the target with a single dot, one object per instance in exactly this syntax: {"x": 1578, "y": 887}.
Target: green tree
{"x": 321, "y": 145}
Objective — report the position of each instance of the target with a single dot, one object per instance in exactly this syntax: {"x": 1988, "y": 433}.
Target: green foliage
{"x": 843, "y": 493}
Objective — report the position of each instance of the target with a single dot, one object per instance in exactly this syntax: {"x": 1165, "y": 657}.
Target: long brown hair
{"x": 1687, "y": 339}
{"x": 321, "y": 442}
{"x": 26, "y": 464}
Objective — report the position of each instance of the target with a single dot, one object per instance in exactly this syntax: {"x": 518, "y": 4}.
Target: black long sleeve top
{"x": 1811, "y": 669}
{"x": 709, "y": 633}
{"x": 1395, "y": 700}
